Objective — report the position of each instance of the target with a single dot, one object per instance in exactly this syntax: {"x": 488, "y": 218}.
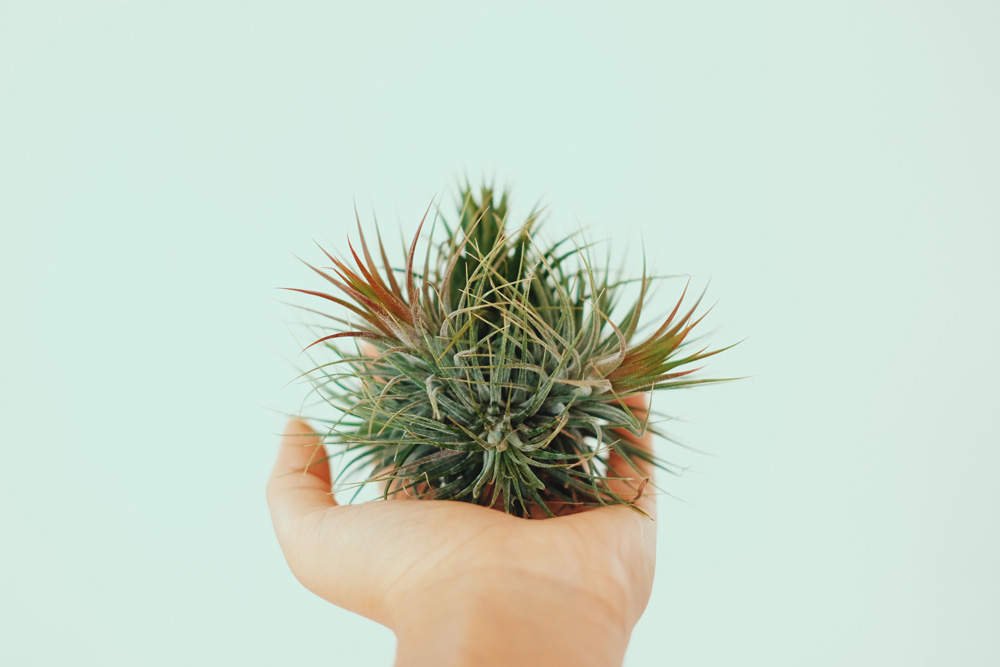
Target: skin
{"x": 463, "y": 584}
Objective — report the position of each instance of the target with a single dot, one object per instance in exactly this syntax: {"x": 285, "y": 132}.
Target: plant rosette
{"x": 494, "y": 371}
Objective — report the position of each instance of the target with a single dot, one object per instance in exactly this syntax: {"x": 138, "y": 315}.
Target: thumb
{"x": 300, "y": 480}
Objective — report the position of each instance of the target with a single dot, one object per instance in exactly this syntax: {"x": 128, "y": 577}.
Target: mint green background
{"x": 832, "y": 167}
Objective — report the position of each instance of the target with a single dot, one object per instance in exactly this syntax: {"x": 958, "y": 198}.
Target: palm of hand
{"x": 381, "y": 557}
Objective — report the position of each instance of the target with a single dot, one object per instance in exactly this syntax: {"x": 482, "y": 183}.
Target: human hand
{"x": 464, "y": 584}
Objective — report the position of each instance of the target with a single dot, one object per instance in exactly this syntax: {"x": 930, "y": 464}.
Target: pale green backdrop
{"x": 831, "y": 166}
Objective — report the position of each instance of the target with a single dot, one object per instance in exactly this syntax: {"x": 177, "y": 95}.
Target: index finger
{"x": 632, "y": 479}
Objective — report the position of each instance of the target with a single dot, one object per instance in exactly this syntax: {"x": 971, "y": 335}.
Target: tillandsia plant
{"x": 494, "y": 373}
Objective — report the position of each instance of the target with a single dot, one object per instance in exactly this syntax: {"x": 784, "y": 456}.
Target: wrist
{"x": 515, "y": 621}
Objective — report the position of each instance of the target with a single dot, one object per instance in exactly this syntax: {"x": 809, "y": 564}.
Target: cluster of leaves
{"x": 494, "y": 374}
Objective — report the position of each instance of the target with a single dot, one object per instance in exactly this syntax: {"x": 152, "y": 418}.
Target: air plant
{"x": 495, "y": 372}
